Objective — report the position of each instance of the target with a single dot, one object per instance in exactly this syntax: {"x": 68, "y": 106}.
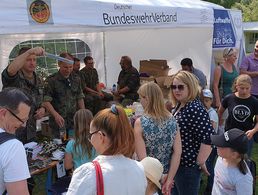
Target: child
{"x": 232, "y": 175}
{"x": 207, "y": 99}
{"x": 153, "y": 170}
{"x": 207, "y": 102}
{"x": 242, "y": 108}
{"x": 79, "y": 150}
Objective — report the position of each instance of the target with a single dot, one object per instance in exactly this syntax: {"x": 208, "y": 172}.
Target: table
{"x": 47, "y": 169}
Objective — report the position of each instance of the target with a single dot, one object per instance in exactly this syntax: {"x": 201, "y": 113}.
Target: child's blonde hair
{"x": 241, "y": 80}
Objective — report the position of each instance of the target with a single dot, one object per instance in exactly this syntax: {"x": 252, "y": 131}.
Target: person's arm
{"x": 123, "y": 90}
{"x": 39, "y": 113}
{"x": 18, "y": 187}
{"x": 216, "y": 79}
{"x": 68, "y": 161}
{"x": 244, "y": 68}
{"x": 174, "y": 164}
{"x": 203, "y": 155}
{"x": 220, "y": 113}
{"x": 20, "y": 60}
{"x": 250, "y": 133}
{"x": 250, "y": 73}
{"x": 58, "y": 118}
{"x": 80, "y": 103}
{"x": 89, "y": 90}
{"x": 140, "y": 147}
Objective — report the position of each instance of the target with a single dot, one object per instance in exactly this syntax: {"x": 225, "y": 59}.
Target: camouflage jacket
{"x": 63, "y": 94}
{"x": 34, "y": 90}
{"x": 89, "y": 78}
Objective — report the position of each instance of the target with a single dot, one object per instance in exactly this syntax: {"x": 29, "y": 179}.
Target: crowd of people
{"x": 165, "y": 151}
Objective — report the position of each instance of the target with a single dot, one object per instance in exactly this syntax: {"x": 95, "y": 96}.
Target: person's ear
{"x": 102, "y": 136}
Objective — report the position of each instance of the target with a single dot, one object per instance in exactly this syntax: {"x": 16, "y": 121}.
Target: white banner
{"x": 48, "y": 15}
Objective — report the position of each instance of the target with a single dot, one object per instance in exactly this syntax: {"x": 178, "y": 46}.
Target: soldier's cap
{"x": 233, "y": 138}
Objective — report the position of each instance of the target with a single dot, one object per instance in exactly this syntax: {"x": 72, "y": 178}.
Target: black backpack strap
{"x": 5, "y": 137}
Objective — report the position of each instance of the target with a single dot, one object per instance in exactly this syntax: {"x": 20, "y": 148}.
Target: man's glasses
{"x": 91, "y": 134}
{"x": 23, "y": 122}
{"x": 179, "y": 87}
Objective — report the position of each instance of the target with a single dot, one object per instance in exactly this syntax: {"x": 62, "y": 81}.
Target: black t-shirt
{"x": 241, "y": 112}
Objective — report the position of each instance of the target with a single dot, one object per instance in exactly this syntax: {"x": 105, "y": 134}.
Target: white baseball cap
{"x": 207, "y": 93}
{"x": 153, "y": 170}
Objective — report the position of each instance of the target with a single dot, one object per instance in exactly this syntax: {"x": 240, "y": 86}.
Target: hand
{"x": 204, "y": 169}
{"x": 59, "y": 120}
{"x": 38, "y": 51}
{"x": 40, "y": 113}
{"x": 101, "y": 94}
{"x": 167, "y": 185}
{"x": 115, "y": 93}
{"x": 250, "y": 133}
{"x": 217, "y": 103}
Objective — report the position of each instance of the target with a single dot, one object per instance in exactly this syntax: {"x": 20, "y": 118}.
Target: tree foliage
{"x": 249, "y": 8}
{"x": 225, "y": 3}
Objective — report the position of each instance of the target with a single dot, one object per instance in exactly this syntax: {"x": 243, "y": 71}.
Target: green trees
{"x": 249, "y": 8}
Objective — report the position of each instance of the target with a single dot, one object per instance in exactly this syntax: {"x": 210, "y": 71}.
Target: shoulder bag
{"x": 99, "y": 178}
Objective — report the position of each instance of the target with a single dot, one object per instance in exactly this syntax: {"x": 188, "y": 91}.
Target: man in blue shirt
{"x": 187, "y": 65}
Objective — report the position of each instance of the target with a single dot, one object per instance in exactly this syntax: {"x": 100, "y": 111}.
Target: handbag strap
{"x": 99, "y": 178}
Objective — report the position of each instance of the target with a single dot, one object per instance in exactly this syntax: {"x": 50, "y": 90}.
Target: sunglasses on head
{"x": 179, "y": 87}
{"x": 229, "y": 52}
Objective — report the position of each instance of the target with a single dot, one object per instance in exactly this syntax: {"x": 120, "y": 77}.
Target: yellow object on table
{"x": 128, "y": 111}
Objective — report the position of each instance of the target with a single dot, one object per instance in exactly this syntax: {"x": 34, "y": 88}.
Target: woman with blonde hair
{"x": 242, "y": 108}
{"x": 224, "y": 75}
{"x": 112, "y": 136}
{"x": 195, "y": 129}
{"x": 157, "y": 134}
{"x": 79, "y": 150}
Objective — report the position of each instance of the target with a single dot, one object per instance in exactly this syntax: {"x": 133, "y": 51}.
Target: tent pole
{"x": 105, "y": 66}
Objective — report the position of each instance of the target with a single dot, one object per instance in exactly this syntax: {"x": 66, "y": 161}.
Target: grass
{"x": 254, "y": 157}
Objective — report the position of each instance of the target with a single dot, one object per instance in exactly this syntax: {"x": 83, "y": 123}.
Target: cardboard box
{"x": 155, "y": 68}
{"x": 163, "y": 84}
{"x": 146, "y": 80}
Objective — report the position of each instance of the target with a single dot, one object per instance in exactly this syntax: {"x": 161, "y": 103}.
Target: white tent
{"x": 141, "y": 29}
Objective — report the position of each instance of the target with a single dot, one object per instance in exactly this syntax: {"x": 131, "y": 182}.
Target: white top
{"x": 214, "y": 117}
{"x": 13, "y": 162}
{"x": 230, "y": 181}
{"x": 121, "y": 176}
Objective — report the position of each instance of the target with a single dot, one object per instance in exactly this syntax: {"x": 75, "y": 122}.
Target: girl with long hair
{"x": 232, "y": 175}
{"x": 157, "y": 134}
{"x": 242, "y": 109}
{"x": 112, "y": 136}
{"x": 79, "y": 150}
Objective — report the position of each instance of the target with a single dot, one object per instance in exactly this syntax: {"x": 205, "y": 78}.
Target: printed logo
{"x": 226, "y": 136}
{"x": 39, "y": 11}
{"x": 241, "y": 113}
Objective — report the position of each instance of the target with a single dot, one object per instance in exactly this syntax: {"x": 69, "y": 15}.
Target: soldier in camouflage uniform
{"x": 21, "y": 74}
{"x": 128, "y": 82}
{"x": 76, "y": 66}
{"x": 95, "y": 99}
{"x": 63, "y": 96}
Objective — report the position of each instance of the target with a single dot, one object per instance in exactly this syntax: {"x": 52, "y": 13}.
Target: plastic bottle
{"x": 114, "y": 88}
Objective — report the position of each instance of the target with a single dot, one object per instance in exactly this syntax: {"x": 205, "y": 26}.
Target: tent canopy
{"x": 101, "y": 15}
{"x": 141, "y": 29}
